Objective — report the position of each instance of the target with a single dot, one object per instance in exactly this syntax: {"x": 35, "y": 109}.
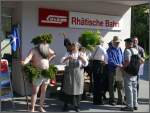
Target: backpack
{"x": 134, "y": 65}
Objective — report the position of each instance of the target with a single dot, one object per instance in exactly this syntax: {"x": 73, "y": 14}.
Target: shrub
{"x": 33, "y": 72}
{"x": 89, "y": 39}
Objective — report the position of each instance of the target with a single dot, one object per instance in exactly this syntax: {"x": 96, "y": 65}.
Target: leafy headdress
{"x": 90, "y": 39}
{"x": 45, "y": 37}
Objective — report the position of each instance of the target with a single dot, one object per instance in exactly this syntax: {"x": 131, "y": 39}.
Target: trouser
{"x": 89, "y": 71}
{"x": 138, "y": 85}
{"x": 111, "y": 85}
{"x": 106, "y": 82}
{"x": 120, "y": 90}
{"x": 90, "y": 74}
{"x": 98, "y": 88}
{"x": 130, "y": 84}
{"x": 72, "y": 99}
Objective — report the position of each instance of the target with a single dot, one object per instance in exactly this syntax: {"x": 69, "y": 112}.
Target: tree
{"x": 140, "y": 25}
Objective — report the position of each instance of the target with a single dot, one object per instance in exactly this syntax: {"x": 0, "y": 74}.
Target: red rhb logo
{"x": 53, "y": 18}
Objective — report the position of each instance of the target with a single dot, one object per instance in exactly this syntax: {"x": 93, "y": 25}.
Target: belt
{"x": 98, "y": 60}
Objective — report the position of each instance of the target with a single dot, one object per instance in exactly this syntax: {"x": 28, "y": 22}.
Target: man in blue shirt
{"x": 115, "y": 59}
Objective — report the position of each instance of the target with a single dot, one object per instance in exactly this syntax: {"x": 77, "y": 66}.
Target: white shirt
{"x": 75, "y": 55}
{"x": 128, "y": 54}
{"x": 141, "y": 72}
{"x": 100, "y": 54}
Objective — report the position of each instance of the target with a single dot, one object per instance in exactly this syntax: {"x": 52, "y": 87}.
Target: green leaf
{"x": 33, "y": 72}
{"x": 42, "y": 38}
{"x": 89, "y": 39}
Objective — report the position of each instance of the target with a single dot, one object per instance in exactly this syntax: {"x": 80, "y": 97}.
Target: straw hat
{"x": 116, "y": 39}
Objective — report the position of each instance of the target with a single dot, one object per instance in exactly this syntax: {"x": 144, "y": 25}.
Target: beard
{"x": 44, "y": 50}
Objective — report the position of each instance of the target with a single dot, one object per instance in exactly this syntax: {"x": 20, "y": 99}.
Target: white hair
{"x": 43, "y": 50}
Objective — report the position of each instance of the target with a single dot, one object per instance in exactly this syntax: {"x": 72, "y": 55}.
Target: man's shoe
{"x": 65, "y": 108}
{"x": 127, "y": 109}
{"x": 101, "y": 103}
{"x": 135, "y": 108}
{"x": 77, "y": 109}
{"x": 112, "y": 103}
{"x": 98, "y": 103}
{"x": 120, "y": 103}
{"x": 95, "y": 103}
{"x": 84, "y": 98}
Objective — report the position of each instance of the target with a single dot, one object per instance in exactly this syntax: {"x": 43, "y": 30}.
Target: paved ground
{"x": 54, "y": 105}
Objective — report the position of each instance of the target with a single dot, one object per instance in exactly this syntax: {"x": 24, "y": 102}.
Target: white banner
{"x": 94, "y": 21}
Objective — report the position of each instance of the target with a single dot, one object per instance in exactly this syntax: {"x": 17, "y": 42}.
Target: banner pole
{"x": 23, "y": 75}
{"x": 25, "y": 90}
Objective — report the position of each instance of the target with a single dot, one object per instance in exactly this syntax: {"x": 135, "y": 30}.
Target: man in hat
{"x": 115, "y": 59}
{"x": 130, "y": 80}
{"x": 40, "y": 56}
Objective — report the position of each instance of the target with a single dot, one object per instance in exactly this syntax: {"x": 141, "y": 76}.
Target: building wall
{"x": 26, "y": 13}
{"x": 30, "y": 26}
